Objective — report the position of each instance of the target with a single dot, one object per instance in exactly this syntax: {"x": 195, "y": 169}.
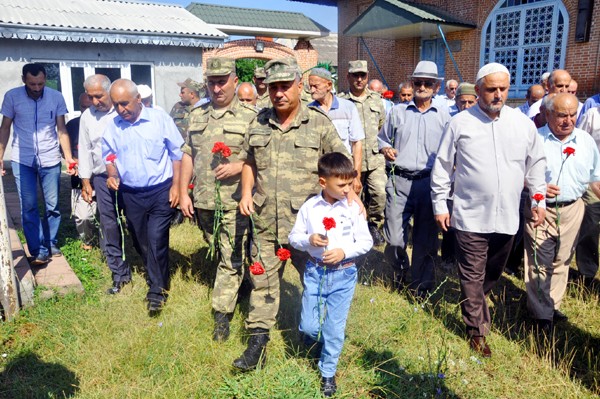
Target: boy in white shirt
{"x": 334, "y": 234}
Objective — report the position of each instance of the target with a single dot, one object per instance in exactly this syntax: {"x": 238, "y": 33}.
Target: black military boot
{"x": 255, "y": 352}
{"x": 221, "y": 331}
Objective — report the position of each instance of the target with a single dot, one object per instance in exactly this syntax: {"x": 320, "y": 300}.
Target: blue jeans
{"x": 335, "y": 294}
{"x": 40, "y": 234}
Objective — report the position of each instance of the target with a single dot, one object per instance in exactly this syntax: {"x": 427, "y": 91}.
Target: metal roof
{"x": 258, "y": 22}
{"x": 110, "y": 21}
{"x": 395, "y": 19}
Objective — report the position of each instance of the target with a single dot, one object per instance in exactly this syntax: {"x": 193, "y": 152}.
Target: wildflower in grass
{"x": 221, "y": 151}
{"x": 112, "y": 159}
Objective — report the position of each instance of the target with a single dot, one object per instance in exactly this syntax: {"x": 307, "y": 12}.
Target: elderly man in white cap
{"x": 409, "y": 140}
{"x": 488, "y": 150}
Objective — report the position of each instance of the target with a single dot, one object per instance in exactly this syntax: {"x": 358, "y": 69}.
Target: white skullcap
{"x": 490, "y": 68}
{"x": 144, "y": 90}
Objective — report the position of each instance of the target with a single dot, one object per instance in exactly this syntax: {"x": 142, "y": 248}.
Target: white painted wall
{"x": 171, "y": 64}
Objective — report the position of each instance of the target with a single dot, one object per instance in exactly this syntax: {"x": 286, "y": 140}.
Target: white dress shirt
{"x": 351, "y": 232}
{"x": 91, "y": 130}
{"x": 493, "y": 159}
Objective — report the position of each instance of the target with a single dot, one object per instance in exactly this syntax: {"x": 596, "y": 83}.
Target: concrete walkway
{"x": 56, "y": 275}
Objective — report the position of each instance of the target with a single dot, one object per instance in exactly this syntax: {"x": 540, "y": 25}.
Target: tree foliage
{"x": 245, "y": 68}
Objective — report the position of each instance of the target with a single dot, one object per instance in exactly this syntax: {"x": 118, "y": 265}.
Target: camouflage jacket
{"x": 206, "y": 127}
{"x": 264, "y": 101}
{"x": 286, "y": 163}
{"x": 372, "y": 115}
{"x": 180, "y": 113}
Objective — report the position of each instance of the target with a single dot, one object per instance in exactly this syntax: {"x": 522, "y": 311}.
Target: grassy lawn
{"x": 99, "y": 346}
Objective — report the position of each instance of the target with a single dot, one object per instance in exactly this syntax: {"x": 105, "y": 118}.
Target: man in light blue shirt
{"x": 145, "y": 145}
{"x": 36, "y": 113}
{"x": 409, "y": 141}
{"x": 573, "y": 162}
{"x": 591, "y": 102}
{"x": 344, "y": 115}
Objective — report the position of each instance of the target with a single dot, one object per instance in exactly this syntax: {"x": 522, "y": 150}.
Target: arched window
{"x": 528, "y": 37}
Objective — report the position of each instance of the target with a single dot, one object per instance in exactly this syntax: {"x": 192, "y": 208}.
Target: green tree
{"x": 245, "y": 68}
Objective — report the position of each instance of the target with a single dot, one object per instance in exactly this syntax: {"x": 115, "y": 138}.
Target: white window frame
{"x": 519, "y": 90}
{"x": 89, "y": 70}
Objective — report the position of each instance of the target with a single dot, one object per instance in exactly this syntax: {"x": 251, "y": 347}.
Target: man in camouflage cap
{"x": 372, "y": 114}
{"x": 224, "y": 119}
{"x": 192, "y": 95}
{"x": 281, "y": 150}
{"x": 261, "y": 88}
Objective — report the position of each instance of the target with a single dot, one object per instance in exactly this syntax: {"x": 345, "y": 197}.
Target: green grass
{"x": 99, "y": 346}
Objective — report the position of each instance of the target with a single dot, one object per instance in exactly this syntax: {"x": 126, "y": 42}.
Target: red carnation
{"x": 283, "y": 254}
{"x": 388, "y": 94}
{"x": 329, "y": 223}
{"x": 257, "y": 269}
{"x": 222, "y": 148}
{"x": 111, "y": 158}
{"x": 538, "y": 197}
{"x": 569, "y": 151}
{"x": 72, "y": 165}
{"x": 191, "y": 186}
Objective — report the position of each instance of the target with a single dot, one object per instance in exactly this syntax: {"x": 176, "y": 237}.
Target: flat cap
{"x": 219, "y": 66}
{"x": 259, "y": 73}
{"x": 357, "y": 66}
{"x": 466, "y": 88}
{"x": 281, "y": 70}
{"x": 321, "y": 72}
{"x": 192, "y": 85}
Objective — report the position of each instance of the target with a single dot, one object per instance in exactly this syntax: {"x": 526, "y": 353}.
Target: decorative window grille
{"x": 528, "y": 37}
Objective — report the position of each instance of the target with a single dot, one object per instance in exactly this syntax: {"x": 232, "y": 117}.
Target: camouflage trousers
{"x": 374, "y": 182}
{"x": 264, "y": 298}
{"x": 229, "y": 258}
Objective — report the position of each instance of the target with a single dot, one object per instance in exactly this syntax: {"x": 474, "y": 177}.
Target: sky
{"x": 325, "y": 15}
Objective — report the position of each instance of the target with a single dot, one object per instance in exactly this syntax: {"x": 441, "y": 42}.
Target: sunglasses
{"x": 359, "y": 75}
{"x": 426, "y": 83}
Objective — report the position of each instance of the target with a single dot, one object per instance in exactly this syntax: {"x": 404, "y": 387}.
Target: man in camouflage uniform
{"x": 372, "y": 115}
{"x": 281, "y": 150}
{"x": 223, "y": 119}
{"x": 192, "y": 96}
{"x": 261, "y": 88}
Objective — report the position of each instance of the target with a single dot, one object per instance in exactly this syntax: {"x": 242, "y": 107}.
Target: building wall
{"x": 398, "y": 58}
{"x": 171, "y": 64}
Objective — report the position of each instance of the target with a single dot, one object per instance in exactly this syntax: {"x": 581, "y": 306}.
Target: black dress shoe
{"x": 479, "y": 345}
{"x": 155, "y": 307}
{"x": 328, "y": 386}
{"x": 116, "y": 287}
{"x": 559, "y": 316}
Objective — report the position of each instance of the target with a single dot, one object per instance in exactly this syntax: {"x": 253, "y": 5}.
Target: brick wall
{"x": 397, "y": 58}
{"x": 305, "y": 54}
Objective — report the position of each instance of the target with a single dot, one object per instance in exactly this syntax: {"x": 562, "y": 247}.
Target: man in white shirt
{"x": 93, "y": 177}
{"x": 488, "y": 150}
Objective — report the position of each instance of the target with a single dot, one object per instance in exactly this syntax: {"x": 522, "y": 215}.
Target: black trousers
{"x": 110, "y": 233}
{"x": 481, "y": 259}
{"x": 149, "y": 216}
